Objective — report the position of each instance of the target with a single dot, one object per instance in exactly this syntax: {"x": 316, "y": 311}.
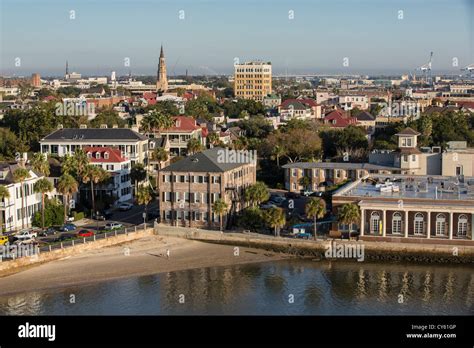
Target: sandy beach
{"x": 139, "y": 257}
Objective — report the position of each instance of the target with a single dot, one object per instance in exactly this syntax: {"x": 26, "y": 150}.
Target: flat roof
{"x": 339, "y": 165}
{"x": 432, "y": 188}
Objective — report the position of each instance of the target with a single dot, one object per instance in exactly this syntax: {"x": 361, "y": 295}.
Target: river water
{"x": 289, "y": 287}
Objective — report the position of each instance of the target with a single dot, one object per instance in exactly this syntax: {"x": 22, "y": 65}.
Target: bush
{"x": 78, "y": 215}
{"x": 53, "y": 215}
{"x": 251, "y": 219}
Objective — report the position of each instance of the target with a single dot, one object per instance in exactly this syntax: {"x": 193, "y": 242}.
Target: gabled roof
{"x": 182, "y": 124}
{"x": 9, "y": 168}
{"x": 365, "y": 116}
{"x": 408, "y": 131}
{"x": 94, "y": 134}
{"x": 300, "y": 102}
{"x": 114, "y": 155}
{"x": 206, "y": 161}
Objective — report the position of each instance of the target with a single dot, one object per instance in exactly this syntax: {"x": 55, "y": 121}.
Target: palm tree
{"x": 144, "y": 196}
{"x": 19, "y": 175}
{"x": 305, "y": 181}
{"x": 165, "y": 123}
{"x": 349, "y": 214}
{"x": 275, "y": 218}
{"x": 256, "y": 193}
{"x": 315, "y": 208}
{"x": 151, "y": 122}
{"x": 137, "y": 174}
{"x": 94, "y": 175}
{"x": 43, "y": 186}
{"x": 39, "y": 163}
{"x": 194, "y": 145}
{"x": 67, "y": 186}
{"x": 159, "y": 155}
{"x": 278, "y": 151}
{"x": 213, "y": 139}
{"x": 220, "y": 207}
{"x": 4, "y": 194}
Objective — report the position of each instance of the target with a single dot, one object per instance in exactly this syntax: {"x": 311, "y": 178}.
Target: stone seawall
{"x": 373, "y": 251}
{"x": 7, "y": 266}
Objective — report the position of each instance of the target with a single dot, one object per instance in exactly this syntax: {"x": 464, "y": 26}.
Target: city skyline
{"x": 206, "y": 38}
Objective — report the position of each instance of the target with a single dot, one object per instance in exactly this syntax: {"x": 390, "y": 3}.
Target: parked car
{"x": 113, "y": 226}
{"x": 48, "y": 231}
{"x": 67, "y": 227}
{"x": 317, "y": 194}
{"x": 26, "y": 234}
{"x": 278, "y": 200}
{"x": 303, "y": 235}
{"x": 85, "y": 233}
{"x": 267, "y": 205}
{"x": 307, "y": 193}
{"x": 3, "y": 240}
{"x": 292, "y": 195}
{"x": 125, "y": 206}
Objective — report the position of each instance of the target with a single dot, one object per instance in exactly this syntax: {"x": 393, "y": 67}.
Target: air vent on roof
{"x": 195, "y": 160}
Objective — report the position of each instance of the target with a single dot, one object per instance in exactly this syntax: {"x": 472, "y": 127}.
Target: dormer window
{"x": 178, "y": 123}
{"x": 97, "y": 155}
{"x": 89, "y": 154}
{"x": 106, "y": 155}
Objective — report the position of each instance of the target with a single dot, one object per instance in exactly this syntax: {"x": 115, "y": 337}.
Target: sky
{"x": 206, "y": 36}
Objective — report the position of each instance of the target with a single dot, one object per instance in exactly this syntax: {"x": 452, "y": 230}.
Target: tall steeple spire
{"x": 67, "y": 68}
{"x": 161, "y": 79}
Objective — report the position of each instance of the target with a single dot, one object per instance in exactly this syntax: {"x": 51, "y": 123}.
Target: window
{"x": 375, "y": 222}
{"x": 462, "y": 226}
{"x": 419, "y": 223}
{"x": 106, "y": 155}
{"x": 413, "y": 158}
{"x": 440, "y": 225}
{"x": 397, "y": 223}
{"x": 405, "y": 158}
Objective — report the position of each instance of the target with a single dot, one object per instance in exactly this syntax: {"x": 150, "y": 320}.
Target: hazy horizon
{"x": 207, "y": 37}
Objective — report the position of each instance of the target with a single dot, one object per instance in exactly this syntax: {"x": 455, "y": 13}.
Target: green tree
{"x": 159, "y": 155}
{"x": 4, "y": 194}
{"x": 349, "y": 214}
{"x": 315, "y": 208}
{"x": 144, "y": 196}
{"x": 40, "y": 164}
{"x": 305, "y": 181}
{"x": 194, "y": 146}
{"x": 20, "y": 175}
{"x": 275, "y": 218}
{"x": 137, "y": 174}
{"x": 109, "y": 117}
{"x": 94, "y": 175}
{"x": 220, "y": 207}
{"x": 256, "y": 193}
{"x": 43, "y": 186}
{"x": 67, "y": 186}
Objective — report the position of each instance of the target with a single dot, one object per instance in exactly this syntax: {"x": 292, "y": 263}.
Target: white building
{"x": 111, "y": 160}
{"x": 348, "y": 102}
{"x": 133, "y": 145}
{"x": 15, "y": 214}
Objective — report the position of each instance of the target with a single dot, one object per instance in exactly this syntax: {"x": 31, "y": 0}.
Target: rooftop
{"x": 337, "y": 165}
{"x": 94, "y": 134}
{"x": 430, "y": 188}
{"x": 211, "y": 160}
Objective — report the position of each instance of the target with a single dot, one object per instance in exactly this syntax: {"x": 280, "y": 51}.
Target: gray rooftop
{"x": 338, "y": 165}
{"x": 94, "y": 134}
{"x": 432, "y": 188}
{"x": 212, "y": 160}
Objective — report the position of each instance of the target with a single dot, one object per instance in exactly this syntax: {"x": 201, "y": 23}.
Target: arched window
{"x": 397, "y": 223}
{"x": 440, "y": 225}
{"x": 462, "y": 225}
{"x": 419, "y": 223}
{"x": 374, "y": 222}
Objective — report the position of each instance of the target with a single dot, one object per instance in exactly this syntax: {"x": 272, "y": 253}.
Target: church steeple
{"x": 161, "y": 79}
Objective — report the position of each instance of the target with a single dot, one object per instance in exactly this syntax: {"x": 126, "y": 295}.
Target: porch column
{"x": 406, "y": 223}
{"x": 384, "y": 223}
{"x": 428, "y": 226}
{"x": 362, "y": 221}
{"x": 472, "y": 226}
{"x": 451, "y": 225}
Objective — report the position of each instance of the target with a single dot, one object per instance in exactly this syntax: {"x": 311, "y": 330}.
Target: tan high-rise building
{"x": 161, "y": 79}
{"x": 253, "y": 80}
{"x": 36, "y": 80}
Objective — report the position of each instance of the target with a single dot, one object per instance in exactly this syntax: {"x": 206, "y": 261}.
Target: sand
{"x": 144, "y": 256}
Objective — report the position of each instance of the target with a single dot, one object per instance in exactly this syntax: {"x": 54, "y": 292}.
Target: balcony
{"x": 4, "y": 205}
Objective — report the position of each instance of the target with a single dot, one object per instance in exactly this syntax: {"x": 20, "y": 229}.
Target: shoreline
{"x": 145, "y": 256}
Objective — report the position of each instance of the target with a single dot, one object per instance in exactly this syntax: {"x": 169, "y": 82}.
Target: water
{"x": 318, "y": 288}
